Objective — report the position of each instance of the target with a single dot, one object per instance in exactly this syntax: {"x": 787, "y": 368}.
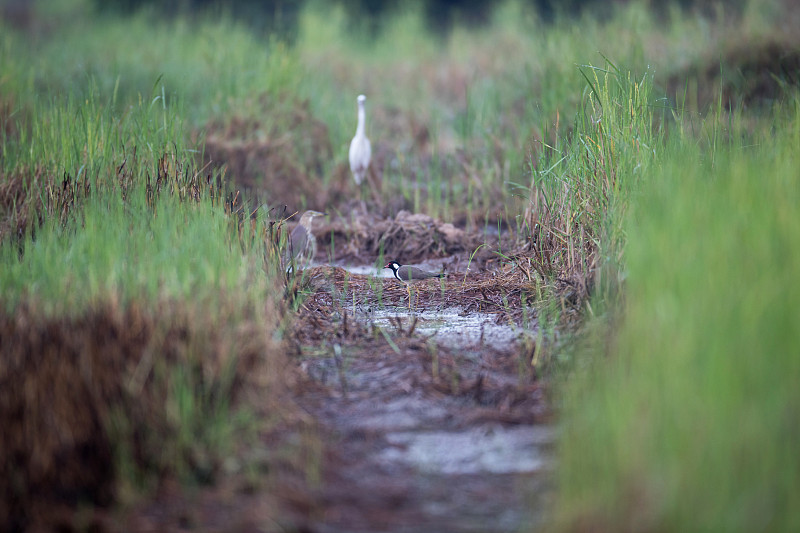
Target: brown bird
{"x": 408, "y": 275}
{"x": 301, "y": 247}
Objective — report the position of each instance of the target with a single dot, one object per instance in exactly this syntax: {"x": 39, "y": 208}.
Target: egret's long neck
{"x": 361, "y": 120}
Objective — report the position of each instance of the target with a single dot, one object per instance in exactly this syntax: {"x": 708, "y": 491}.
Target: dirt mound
{"x": 408, "y": 237}
{"x": 77, "y": 395}
{"x": 749, "y": 75}
{"x": 279, "y": 150}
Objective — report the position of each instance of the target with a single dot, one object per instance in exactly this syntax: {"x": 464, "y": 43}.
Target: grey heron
{"x": 301, "y": 246}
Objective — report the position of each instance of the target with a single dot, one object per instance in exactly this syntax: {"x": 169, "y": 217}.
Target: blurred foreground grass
{"x": 140, "y": 316}
{"x": 685, "y": 417}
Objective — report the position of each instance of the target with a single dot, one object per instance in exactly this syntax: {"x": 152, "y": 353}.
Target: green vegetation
{"x": 655, "y": 184}
{"x": 139, "y": 309}
{"x": 688, "y": 421}
{"x": 580, "y": 190}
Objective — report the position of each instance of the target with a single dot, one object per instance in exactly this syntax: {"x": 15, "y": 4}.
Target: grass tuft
{"x": 687, "y": 422}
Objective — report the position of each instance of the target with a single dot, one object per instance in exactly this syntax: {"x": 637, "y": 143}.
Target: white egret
{"x": 360, "y": 149}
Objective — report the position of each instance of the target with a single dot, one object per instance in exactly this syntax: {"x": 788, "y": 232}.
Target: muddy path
{"x": 432, "y": 417}
{"x": 421, "y": 415}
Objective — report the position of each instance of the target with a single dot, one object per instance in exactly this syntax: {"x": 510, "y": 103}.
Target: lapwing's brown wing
{"x": 409, "y": 273}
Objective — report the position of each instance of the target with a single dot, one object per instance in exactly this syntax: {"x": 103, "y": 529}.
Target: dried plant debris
{"x": 78, "y": 394}
{"x": 328, "y": 319}
{"x": 279, "y": 151}
{"x": 410, "y": 236}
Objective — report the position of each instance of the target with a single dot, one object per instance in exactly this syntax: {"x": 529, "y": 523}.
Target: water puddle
{"x": 431, "y": 265}
{"x": 453, "y": 326}
{"x": 367, "y": 270}
{"x": 417, "y": 446}
{"x": 482, "y": 450}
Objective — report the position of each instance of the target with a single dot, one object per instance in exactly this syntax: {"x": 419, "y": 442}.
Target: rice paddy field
{"x": 612, "y": 196}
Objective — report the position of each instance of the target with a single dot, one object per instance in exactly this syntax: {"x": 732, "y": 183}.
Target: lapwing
{"x": 360, "y": 149}
{"x": 408, "y": 275}
{"x": 301, "y": 247}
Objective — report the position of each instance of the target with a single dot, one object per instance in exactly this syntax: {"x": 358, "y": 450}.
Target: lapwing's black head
{"x": 395, "y": 267}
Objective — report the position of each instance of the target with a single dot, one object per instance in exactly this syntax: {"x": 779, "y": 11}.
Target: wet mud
{"x": 431, "y": 414}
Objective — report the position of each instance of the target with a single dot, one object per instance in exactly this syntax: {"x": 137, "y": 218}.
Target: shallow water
{"x": 491, "y": 449}
{"x": 367, "y": 270}
{"x": 410, "y": 457}
{"x": 454, "y": 326}
{"x": 431, "y": 265}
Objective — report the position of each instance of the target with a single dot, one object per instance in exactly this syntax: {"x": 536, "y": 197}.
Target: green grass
{"x": 487, "y": 98}
{"x": 137, "y": 270}
{"x": 580, "y": 190}
{"x": 213, "y": 65}
{"x": 131, "y": 252}
{"x": 688, "y": 421}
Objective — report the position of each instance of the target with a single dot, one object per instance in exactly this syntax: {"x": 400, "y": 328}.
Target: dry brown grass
{"x": 409, "y": 237}
{"x": 15, "y": 202}
{"x": 280, "y": 157}
{"x": 79, "y": 393}
{"x": 557, "y": 249}
{"x": 13, "y": 206}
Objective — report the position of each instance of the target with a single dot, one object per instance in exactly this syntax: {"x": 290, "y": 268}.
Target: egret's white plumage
{"x": 360, "y": 149}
